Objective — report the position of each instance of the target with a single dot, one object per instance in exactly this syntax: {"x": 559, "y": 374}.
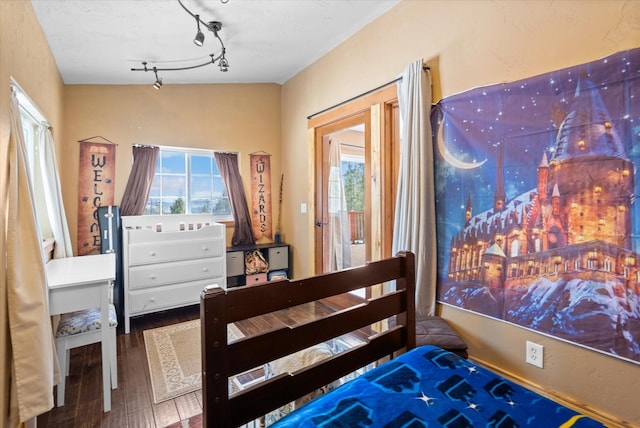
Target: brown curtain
{"x": 138, "y": 187}
{"x": 228, "y": 166}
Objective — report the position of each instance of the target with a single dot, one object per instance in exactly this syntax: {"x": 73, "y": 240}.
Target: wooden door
{"x": 352, "y": 134}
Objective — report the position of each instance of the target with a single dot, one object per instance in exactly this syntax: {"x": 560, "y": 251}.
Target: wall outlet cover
{"x": 535, "y": 354}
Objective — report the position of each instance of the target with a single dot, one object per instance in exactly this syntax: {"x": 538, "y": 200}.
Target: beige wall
{"x": 237, "y": 118}
{"x": 468, "y": 44}
{"x": 25, "y": 57}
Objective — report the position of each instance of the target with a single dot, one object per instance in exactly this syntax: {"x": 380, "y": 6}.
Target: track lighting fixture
{"x": 214, "y": 27}
{"x": 199, "y": 39}
{"x": 158, "y": 83}
{"x": 223, "y": 63}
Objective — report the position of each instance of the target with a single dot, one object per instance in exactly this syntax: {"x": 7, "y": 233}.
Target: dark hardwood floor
{"x": 132, "y": 402}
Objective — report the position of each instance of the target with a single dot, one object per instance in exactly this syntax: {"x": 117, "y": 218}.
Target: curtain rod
{"x": 347, "y": 145}
{"x": 424, "y": 67}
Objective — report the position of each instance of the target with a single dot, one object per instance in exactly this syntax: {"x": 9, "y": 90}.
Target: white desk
{"x": 77, "y": 283}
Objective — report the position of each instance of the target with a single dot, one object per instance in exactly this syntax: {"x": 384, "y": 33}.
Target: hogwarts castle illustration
{"x": 558, "y": 258}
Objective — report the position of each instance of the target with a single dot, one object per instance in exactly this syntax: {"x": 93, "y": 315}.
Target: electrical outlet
{"x": 535, "y": 354}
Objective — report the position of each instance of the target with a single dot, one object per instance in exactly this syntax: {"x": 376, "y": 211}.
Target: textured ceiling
{"x": 267, "y": 41}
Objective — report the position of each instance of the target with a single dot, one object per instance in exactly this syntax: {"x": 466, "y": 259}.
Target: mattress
{"x": 431, "y": 387}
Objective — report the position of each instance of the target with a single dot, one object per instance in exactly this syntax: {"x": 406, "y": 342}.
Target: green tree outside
{"x": 353, "y": 178}
{"x": 177, "y": 207}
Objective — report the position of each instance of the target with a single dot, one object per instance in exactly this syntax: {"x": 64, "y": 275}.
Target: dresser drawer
{"x": 159, "y": 252}
{"x": 171, "y": 296}
{"x": 175, "y": 272}
{"x": 278, "y": 258}
{"x": 235, "y": 263}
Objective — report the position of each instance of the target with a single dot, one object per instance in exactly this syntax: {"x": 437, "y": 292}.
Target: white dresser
{"x": 168, "y": 260}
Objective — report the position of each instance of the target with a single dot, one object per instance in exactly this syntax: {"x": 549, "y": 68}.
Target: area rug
{"x": 173, "y": 355}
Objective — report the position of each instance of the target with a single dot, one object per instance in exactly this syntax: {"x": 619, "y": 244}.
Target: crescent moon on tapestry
{"x": 452, "y": 160}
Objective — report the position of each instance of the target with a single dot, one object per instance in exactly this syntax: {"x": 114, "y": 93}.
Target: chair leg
{"x": 63, "y": 359}
{"x": 114, "y": 359}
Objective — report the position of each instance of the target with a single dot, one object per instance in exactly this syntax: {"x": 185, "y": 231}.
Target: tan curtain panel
{"x": 31, "y": 349}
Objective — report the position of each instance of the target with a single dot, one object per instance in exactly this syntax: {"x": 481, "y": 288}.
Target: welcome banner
{"x": 262, "y": 210}
{"x": 95, "y": 189}
{"x": 537, "y": 218}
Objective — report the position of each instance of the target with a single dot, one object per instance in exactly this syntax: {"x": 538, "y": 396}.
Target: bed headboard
{"x": 219, "y": 307}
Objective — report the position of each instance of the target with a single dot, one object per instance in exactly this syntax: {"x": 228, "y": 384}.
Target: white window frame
{"x": 33, "y": 126}
{"x": 187, "y": 195}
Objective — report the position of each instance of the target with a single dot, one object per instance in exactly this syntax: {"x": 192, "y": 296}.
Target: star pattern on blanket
{"x": 474, "y": 406}
{"x": 429, "y": 401}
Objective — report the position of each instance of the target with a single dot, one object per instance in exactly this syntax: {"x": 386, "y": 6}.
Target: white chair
{"x": 79, "y": 329}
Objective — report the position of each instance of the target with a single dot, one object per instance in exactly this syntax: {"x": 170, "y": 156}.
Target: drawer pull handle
{"x": 205, "y": 248}
{"x": 152, "y": 253}
{"x": 205, "y": 269}
{"x": 152, "y": 276}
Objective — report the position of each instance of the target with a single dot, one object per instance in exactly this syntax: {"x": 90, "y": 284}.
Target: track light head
{"x": 199, "y": 39}
{"x": 158, "y": 83}
{"x": 224, "y": 64}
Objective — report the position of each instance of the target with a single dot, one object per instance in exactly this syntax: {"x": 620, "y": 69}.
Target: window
{"x": 33, "y": 127}
{"x": 187, "y": 181}
{"x": 353, "y": 179}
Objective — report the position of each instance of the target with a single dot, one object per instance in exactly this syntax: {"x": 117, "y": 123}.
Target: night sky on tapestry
{"x": 535, "y": 199}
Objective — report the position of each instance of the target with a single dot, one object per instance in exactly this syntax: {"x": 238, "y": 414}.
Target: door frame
{"x": 322, "y": 171}
{"x": 381, "y": 160}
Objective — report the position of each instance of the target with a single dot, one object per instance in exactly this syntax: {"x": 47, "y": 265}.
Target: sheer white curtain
{"x": 53, "y": 196}
{"x": 34, "y": 366}
{"x": 414, "y": 224}
{"x": 339, "y": 241}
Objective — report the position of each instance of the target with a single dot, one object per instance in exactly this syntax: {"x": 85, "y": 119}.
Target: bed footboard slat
{"x": 288, "y": 387}
{"x": 269, "y": 346}
{"x": 249, "y": 301}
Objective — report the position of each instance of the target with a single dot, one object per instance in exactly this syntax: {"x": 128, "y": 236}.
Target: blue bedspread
{"x": 430, "y": 387}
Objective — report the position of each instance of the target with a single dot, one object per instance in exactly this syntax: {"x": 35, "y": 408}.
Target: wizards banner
{"x": 537, "y": 218}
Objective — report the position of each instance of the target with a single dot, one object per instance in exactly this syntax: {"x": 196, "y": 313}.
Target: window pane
{"x": 221, "y": 206}
{"x": 173, "y": 162}
{"x": 155, "y": 185}
{"x": 173, "y": 205}
{"x": 193, "y": 188}
{"x": 200, "y": 200}
{"x": 173, "y": 185}
{"x": 153, "y": 206}
{"x": 201, "y": 164}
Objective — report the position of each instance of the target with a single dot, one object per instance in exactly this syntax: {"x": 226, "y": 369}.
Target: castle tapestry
{"x": 537, "y": 218}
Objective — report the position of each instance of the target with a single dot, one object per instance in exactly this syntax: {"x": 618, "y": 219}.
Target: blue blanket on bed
{"x": 430, "y": 387}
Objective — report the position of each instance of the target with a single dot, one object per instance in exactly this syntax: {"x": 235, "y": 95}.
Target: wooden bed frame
{"x": 220, "y": 361}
